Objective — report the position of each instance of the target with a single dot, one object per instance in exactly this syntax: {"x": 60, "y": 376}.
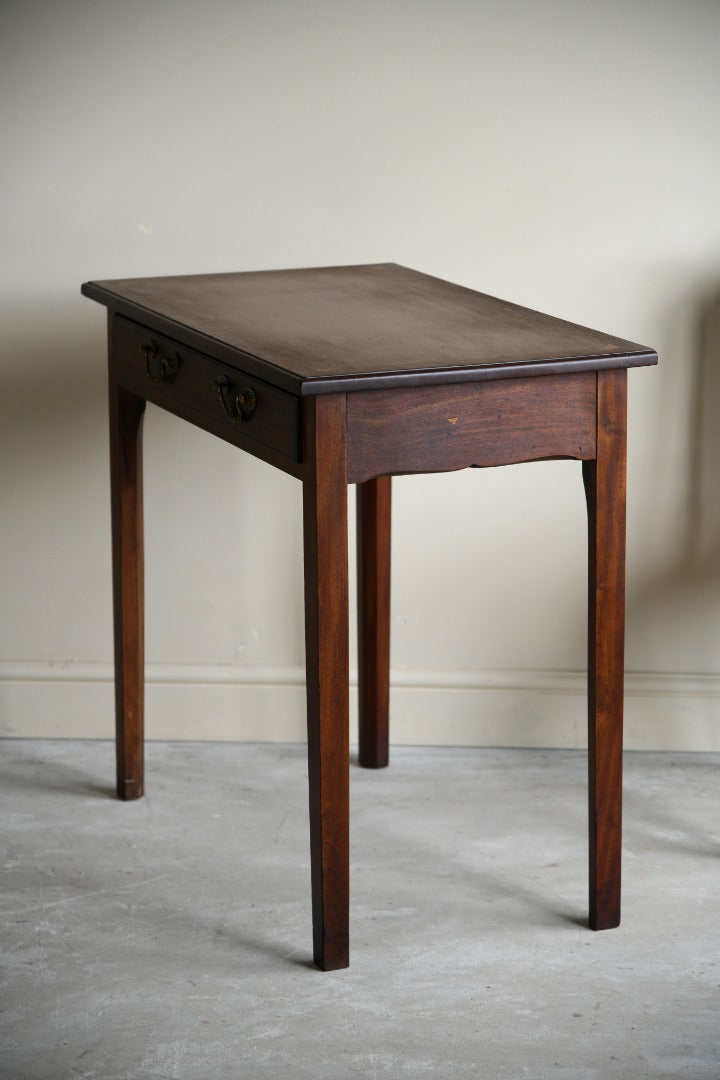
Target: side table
{"x": 351, "y": 375}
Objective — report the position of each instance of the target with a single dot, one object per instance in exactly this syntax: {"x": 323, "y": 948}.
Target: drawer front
{"x": 223, "y": 400}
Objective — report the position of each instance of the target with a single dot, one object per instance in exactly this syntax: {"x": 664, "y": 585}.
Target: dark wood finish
{"x": 360, "y": 373}
{"x": 191, "y": 393}
{"x": 373, "y": 569}
{"x": 441, "y": 428}
{"x": 126, "y": 414}
{"x": 354, "y": 327}
{"x": 326, "y": 651}
{"x": 605, "y": 489}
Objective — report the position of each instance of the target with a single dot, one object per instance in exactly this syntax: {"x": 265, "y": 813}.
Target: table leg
{"x": 326, "y": 651}
{"x": 373, "y": 568}
{"x": 126, "y": 414}
{"x": 605, "y": 491}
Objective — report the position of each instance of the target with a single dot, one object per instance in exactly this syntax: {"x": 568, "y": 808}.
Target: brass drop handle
{"x": 168, "y": 365}
{"x": 238, "y": 406}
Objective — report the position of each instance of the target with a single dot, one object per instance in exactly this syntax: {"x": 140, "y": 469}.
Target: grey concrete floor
{"x": 170, "y": 938}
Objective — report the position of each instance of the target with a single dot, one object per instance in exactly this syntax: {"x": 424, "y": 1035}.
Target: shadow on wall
{"x": 55, "y": 537}
{"x": 682, "y": 606}
{"x": 703, "y": 536}
{"x": 52, "y": 404}
{"x": 52, "y": 452}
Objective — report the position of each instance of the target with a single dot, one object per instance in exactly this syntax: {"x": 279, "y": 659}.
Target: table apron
{"x": 443, "y": 428}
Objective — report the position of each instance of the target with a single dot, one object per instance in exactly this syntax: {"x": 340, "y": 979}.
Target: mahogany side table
{"x": 350, "y": 375}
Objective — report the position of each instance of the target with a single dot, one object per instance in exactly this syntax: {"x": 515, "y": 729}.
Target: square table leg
{"x": 604, "y": 479}
{"x": 126, "y": 414}
{"x": 373, "y": 571}
{"x": 327, "y": 662}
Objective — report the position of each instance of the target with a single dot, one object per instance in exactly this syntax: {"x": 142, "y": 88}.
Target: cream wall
{"x": 564, "y": 155}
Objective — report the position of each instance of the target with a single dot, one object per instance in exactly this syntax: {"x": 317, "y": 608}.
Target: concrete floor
{"x": 170, "y": 938}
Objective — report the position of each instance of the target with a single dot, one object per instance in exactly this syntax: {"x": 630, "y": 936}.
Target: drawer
{"x": 221, "y": 399}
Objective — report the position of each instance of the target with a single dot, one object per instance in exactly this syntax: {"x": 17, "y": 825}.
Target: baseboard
{"x": 448, "y": 708}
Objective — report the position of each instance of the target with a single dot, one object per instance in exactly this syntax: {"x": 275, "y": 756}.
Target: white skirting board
{"x": 443, "y": 708}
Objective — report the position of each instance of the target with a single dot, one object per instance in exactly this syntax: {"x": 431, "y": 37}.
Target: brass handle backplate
{"x": 167, "y": 366}
{"x": 237, "y": 406}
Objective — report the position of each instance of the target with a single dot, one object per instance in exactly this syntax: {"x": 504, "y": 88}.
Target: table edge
{"x": 308, "y": 386}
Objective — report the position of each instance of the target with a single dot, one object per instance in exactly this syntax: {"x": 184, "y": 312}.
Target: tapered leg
{"x": 373, "y": 557}
{"x": 605, "y": 491}
{"x": 326, "y": 650}
{"x": 126, "y": 413}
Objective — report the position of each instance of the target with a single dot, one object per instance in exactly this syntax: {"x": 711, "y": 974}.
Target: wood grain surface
{"x": 328, "y": 674}
{"x": 605, "y": 490}
{"x": 126, "y": 415}
{"x": 441, "y": 428}
{"x": 373, "y": 573}
{"x": 350, "y": 327}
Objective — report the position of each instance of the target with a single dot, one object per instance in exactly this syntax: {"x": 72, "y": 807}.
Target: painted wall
{"x": 560, "y": 154}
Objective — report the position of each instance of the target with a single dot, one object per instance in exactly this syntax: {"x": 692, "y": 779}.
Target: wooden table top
{"x": 348, "y": 328}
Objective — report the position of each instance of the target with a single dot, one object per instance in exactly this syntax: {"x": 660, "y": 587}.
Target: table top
{"x": 336, "y": 329}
